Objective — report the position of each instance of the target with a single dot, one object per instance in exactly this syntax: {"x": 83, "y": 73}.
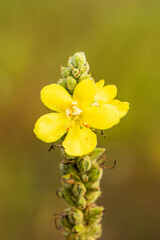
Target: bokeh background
{"x": 121, "y": 40}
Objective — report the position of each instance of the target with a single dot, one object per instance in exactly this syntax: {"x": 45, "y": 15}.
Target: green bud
{"x": 66, "y": 168}
{"x": 95, "y": 174}
{"x": 84, "y": 76}
{"x": 90, "y": 185}
{"x": 66, "y": 223}
{"x": 67, "y": 181}
{"x": 94, "y": 214}
{"x": 84, "y": 177}
{"x": 78, "y": 229}
{"x": 65, "y": 72}
{"x": 78, "y": 60}
{"x": 75, "y": 215}
{"x": 78, "y": 190}
{"x": 92, "y": 196}
{"x": 62, "y": 82}
{"x": 71, "y": 83}
{"x": 83, "y": 164}
{"x": 76, "y": 73}
{"x": 66, "y": 194}
{"x": 96, "y": 230}
{"x": 96, "y": 154}
{"x": 67, "y": 156}
{"x": 85, "y": 68}
{"x": 81, "y": 203}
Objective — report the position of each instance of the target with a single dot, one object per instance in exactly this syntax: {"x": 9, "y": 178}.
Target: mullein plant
{"x": 81, "y": 108}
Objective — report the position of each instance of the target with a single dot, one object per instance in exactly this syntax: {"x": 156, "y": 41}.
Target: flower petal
{"x": 105, "y": 94}
{"x": 100, "y": 84}
{"x": 122, "y": 107}
{"x": 56, "y": 97}
{"x": 79, "y": 141}
{"x": 51, "y": 127}
{"x": 84, "y": 93}
{"x": 102, "y": 117}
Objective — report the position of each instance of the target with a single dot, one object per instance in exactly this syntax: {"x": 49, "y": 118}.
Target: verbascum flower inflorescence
{"x": 81, "y": 108}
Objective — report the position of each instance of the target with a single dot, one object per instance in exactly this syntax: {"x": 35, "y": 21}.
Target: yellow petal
{"x": 84, "y": 93}
{"x": 51, "y": 127}
{"x": 103, "y": 117}
{"x": 105, "y": 94}
{"x": 56, "y": 97}
{"x": 122, "y": 107}
{"x": 79, "y": 141}
{"x": 100, "y": 84}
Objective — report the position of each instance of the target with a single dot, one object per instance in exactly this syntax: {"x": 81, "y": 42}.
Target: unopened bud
{"x": 62, "y": 82}
{"x": 66, "y": 223}
{"x": 71, "y": 83}
{"x": 95, "y": 174}
{"x": 83, "y": 164}
{"x": 94, "y": 214}
{"x": 78, "y": 229}
{"x": 65, "y": 72}
{"x": 76, "y": 73}
{"x": 92, "y": 196}
{"x": 78, "y": 190}
{"x": 84, "y": 76}
{"x": 67, "y": 181}
{"x": 82, "y": 203}
{"x": 85, "y": 68}
{"x": 96, "y": 154}
{"x": 84, "y": 177}
{"x": 66, "y": 194}
{"x": 78, "y": 60}
{"x": 75, "y": 215}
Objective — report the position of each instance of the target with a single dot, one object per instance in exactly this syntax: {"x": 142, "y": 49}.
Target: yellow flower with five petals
{"x": 92, "y": 106}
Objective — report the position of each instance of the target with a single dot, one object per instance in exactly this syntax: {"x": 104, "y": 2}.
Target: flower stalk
{"x": 81, "y": 106}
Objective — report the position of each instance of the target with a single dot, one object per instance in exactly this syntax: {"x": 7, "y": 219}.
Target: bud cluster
{"x": 76, "y": 71}
{"x": 80, "y": 181}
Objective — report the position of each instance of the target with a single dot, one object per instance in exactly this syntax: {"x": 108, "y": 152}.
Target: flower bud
{"x": 78, "y": 190}
{"x": 96, "y": 154}
{"x": 92, "y": 196}
{"x": 66, "y": 194}
{"x": 85, "y": 68}
{"x": 96, "y": 231}
{"x": 71, "y": 83}
{"x": 83, "y": 164}
{"x": 78, "y": 229}
{"x": 67, "y": 156}
{"x": 75, "y": 215}
{"x": 62, "y": 82}
{"x": 90, "y": 185}
{"x": 78, "y": 60}
{"x": 84, "y": 177}
{"x": 66, "y": 223}
{"x": 94, "y": 214}
{"x": 81, "y": 203}
{"x": 67, "y": 181}
{"x": 76, "y": 73}
{"x": 84, "y": 76}
{"x": 65, "y": 72}
{"x": 95, "y": 174}
{"x": 66, "y": 168}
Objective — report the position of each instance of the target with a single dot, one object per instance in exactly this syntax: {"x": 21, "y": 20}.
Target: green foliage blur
{"x": 121, "y": 40}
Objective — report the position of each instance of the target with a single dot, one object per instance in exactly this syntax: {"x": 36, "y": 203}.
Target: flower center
{"x": 74, "y": 111}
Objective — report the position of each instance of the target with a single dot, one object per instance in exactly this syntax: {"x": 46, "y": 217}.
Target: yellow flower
{"x": 92, "y": 105}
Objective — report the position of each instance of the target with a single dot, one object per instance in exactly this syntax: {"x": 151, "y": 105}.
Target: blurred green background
{"x": 121, "y": 40}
